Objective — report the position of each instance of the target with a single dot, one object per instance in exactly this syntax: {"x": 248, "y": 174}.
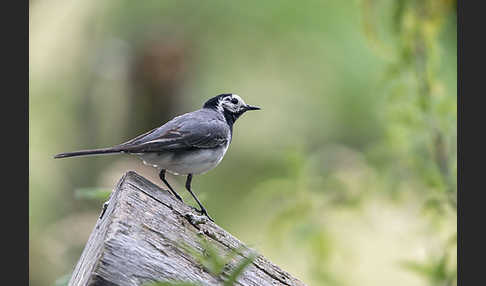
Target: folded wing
{"x": 183, "y": 132}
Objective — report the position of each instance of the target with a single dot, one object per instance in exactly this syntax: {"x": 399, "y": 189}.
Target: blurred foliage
{"x": 348, "y": 174}
{"x": 92, "y": 193}
{"x": 209, "y": 258}
{"x": 439, "y": 270}
{"x": 214, "y": 263}
{"x": 63, "y": 280}
{"x": 421, "y": 117}
{"x": 419, "y": 112}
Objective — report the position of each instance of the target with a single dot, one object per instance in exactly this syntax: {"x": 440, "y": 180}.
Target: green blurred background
{"x": 347, "y": 176}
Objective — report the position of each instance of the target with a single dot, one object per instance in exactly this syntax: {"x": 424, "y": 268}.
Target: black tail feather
{"x": 88, "y": 152}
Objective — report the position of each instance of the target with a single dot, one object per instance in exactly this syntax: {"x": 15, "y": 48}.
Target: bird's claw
{"x": 203, "y": 212}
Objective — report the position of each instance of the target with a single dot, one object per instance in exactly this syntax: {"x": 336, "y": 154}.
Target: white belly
{"x": 196, "y": 161}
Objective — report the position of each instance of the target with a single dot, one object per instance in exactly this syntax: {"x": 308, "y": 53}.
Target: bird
{"x": 189, "y": 144}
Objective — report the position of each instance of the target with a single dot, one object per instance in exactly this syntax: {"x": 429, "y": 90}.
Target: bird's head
{"x": 231, "y": 105}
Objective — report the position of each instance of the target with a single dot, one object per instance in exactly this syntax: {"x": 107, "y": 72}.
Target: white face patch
{"x": 233, "y": 103}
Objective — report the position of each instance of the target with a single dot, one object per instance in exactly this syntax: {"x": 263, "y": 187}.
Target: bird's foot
{"x": 203, "y": 212}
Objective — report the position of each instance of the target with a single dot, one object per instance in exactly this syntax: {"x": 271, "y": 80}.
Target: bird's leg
{"x": 188, "y": 187}
{"x": 162, "y": 177}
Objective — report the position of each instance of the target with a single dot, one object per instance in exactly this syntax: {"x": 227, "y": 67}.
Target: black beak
{"x": 250, "y": 107}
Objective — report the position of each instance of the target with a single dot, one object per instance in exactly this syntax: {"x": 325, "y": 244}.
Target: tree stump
{"x": 140, "y": 238}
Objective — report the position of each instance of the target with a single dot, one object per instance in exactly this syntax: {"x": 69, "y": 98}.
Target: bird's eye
{"x": 234, "y": 101}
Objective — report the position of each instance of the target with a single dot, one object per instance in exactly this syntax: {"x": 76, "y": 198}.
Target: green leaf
{"x": 435, "y": 270}
{"x": 423, "y": 270}
{"x": 209, "y": 259}
{"x": 215, "y": 263}
{"x": 63, "y": 280}
{"x": 92, "y": 193}
{"x": 238, "y": 270}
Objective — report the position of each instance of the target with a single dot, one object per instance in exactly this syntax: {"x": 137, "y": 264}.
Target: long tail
{"x": 89, "y": 152}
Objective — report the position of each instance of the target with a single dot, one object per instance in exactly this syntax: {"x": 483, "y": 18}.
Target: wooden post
{"x": 139, "y": 239}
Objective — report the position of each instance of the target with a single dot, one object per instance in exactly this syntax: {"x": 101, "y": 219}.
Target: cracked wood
{"x": 138, "y": 239}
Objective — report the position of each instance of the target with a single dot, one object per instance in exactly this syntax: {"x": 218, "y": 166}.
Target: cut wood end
{"x": 147, "y": 235}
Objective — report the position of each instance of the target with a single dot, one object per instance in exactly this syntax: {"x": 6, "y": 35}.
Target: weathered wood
{"x": 138, "y": 239}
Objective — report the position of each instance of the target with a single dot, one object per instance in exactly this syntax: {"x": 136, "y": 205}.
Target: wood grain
{"x": 140, "y": 236}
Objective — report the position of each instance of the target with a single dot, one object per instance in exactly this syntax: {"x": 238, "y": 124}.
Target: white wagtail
{"x": 192, "y": 143}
